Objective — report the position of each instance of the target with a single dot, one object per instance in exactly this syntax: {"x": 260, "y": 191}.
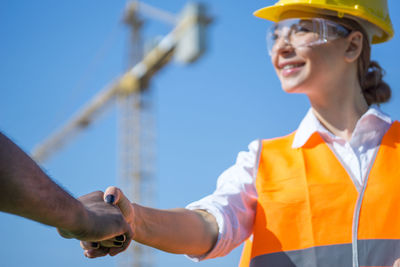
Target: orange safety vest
{"x": 309, "y": 212}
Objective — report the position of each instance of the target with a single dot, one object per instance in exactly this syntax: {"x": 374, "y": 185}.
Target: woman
{"x": 324, "y": 195}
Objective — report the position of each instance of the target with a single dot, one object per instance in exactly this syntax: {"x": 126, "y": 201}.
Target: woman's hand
{"x": 99, "y": 221}
{"x": 115, "y": 244}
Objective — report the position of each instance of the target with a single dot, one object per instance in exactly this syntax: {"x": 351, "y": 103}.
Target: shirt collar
{"x": 310, "y": 124}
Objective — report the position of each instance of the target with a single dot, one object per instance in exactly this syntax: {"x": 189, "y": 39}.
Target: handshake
{"x": 106, "y": 226}
{"x": 104, "y": 222}
{"x": 110, "y": 222}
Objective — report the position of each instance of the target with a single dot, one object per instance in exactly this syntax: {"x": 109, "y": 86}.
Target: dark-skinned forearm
{"x": 27, "y": 191}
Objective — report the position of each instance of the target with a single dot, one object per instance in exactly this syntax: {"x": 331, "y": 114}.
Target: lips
{"x": 289, "y": 68}
{"x": 289, "y": 65}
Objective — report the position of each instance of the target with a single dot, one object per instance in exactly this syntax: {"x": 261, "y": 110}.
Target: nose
{"x": 282, "y": 45}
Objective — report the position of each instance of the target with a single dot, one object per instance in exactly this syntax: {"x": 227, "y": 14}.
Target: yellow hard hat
{"x": 375, "y": 12}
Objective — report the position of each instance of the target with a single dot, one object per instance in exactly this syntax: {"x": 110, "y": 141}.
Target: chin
{"x": 292, "y": 88}
{"x": 293, "y": 84}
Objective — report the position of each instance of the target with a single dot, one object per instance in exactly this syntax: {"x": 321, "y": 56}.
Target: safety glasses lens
{"x": 302, "y": 32}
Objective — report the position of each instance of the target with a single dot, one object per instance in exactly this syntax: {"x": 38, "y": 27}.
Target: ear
{"x": 354, "y": 46}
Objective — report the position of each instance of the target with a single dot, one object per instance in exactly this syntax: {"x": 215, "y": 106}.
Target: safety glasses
{"x": 303, "y": 32}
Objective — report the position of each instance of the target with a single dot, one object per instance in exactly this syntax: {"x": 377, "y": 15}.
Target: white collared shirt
{"x": 234, "y": 201}
{"x": 356, "y": 154}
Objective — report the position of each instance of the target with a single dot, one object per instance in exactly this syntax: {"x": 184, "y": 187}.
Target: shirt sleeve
{"x": 233, "y": 203}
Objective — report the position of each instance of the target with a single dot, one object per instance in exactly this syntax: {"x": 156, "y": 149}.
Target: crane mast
{"x": 136, "y": 139}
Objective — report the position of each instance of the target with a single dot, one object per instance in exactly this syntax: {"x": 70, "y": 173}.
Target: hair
{"x": 370, "y": 73}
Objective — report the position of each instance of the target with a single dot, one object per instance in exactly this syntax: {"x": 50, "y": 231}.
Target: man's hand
{"x": 103, "y": 221}
{"x": 113, "y": 197}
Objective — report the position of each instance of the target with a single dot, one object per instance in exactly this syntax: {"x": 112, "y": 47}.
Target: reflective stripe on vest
{"x": 310, "y": 214}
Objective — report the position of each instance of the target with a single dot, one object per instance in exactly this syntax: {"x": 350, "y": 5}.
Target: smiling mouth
{"x": 292, "y": 66}
{"x": 291, "y": 69}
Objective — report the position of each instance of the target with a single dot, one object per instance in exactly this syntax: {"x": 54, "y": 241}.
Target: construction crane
{"x": 186, "y": 43}
{"x": 135, "y": 117}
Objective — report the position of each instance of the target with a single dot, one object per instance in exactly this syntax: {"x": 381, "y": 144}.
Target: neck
{"x": 340, "y": 111}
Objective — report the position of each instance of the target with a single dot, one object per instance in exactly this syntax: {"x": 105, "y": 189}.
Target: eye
{"x": 274, "y": 33}
{"x": 302, "y": 29}
{"x": 274, "y": 36}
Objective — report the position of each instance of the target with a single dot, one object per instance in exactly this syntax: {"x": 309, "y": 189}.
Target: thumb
{"x": 113, "y": 195}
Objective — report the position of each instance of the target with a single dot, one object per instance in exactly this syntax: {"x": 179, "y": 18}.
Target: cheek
{"x": 325, "y": 66}
{"x": 306, "y": 53}
{"x": 273, "y": 59}
{"x": 318, "y": 60}
{"x": 329, "y": 55}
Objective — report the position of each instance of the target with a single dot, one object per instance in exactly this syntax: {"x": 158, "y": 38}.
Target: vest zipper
{"x": 357, "y": 208}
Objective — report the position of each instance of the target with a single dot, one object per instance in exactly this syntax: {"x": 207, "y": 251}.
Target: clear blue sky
{"x": 55, "y": 55}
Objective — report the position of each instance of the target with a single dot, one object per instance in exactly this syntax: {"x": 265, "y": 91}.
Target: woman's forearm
{"x": 180, "y": 231}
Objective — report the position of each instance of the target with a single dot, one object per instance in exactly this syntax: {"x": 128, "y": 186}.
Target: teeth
{"x": 290, "y": 66}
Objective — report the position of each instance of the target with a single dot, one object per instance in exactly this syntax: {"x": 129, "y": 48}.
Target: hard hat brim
{"x": 279, "y": 12}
